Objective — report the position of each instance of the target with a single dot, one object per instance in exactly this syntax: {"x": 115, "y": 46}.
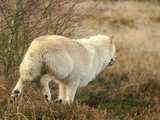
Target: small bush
{"x": 21, "y": 21}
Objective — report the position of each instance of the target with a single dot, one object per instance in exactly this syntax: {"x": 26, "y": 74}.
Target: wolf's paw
{"x": 47, "y": 98}
{"x": 14, "y": 95}
{"x": 58, "y": 101}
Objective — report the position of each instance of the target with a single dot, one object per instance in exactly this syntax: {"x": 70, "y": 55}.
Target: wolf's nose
{"x": 111, "y": 62}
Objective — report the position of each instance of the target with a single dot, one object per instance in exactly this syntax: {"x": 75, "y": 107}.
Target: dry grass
{"x": 155, "y": 18}
{"x": 130, "y": 90}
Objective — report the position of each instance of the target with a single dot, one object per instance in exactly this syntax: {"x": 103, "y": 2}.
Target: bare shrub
{"x": 23, "y": 20}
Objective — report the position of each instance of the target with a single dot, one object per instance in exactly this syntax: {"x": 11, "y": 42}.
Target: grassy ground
{"x": 130, "y": 90}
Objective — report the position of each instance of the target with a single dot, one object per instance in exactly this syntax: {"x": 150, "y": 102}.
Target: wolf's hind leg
{"x": 17, "y": 91}
{"x": 44, "y": 81}
{"x": 24, "y": 77}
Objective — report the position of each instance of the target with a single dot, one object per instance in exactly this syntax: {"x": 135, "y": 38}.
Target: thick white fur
{"x": 71, "y": 63}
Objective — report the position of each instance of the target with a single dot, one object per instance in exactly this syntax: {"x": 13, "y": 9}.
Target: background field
{"x": 130, "y": 90}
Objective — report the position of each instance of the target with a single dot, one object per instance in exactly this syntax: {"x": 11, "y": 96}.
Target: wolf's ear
{"x": 111, "y": 38}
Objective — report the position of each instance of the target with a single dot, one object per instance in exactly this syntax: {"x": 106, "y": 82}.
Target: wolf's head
{"x": 110, "y": 52}
{"x": 113, "y": 51}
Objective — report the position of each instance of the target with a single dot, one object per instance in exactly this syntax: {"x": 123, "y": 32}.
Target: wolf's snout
{"x": 112, "y": 61}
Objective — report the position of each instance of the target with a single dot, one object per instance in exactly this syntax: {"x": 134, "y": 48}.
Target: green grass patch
{"x": 123, "y": 104}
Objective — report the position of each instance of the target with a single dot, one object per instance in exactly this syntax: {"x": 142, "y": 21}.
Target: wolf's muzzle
{"x": 112, "y": 61}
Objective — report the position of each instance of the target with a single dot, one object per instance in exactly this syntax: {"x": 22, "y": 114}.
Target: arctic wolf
{"x": 71, "y": 63}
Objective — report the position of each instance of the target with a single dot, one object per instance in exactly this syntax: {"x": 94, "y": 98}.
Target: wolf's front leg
{"x": 71, "y": 89}
{"x": 62, "y": 93}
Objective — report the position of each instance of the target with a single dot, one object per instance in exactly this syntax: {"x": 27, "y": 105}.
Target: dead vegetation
{"x": 22, "y": 21}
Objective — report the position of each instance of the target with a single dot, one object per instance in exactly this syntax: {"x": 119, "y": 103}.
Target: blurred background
{"x": 130, "y": 90}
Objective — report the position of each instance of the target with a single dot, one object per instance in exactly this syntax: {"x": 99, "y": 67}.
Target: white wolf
{"x": 71, "y": 63}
